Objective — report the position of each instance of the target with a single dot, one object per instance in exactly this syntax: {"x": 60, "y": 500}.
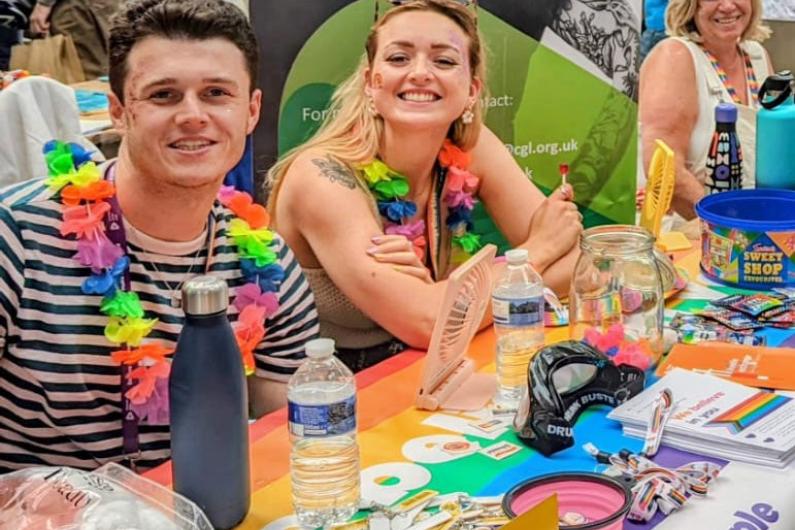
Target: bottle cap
{"x": 205, "y": 295}
{"x": 780, "y": 80}
{"x": 726, "y": 113}
{"x": 776, "y": 89}
{"x": 517, "y": 256}
{"x": 318, "y": 348}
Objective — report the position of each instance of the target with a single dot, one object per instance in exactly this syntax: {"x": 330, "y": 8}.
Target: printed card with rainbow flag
{"x": 718, "y": 417}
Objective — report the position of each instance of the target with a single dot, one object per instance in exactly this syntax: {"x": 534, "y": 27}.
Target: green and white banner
{"x": 562, "y": 87}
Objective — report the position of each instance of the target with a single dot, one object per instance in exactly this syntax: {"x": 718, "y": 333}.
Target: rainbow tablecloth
{"x": 388, "y": 419}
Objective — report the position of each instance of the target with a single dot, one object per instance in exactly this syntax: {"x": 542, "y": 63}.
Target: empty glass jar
{"x": 616, "y": 297}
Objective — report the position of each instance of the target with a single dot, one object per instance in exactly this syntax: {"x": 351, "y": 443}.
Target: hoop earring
{"x": 468, "y": 116}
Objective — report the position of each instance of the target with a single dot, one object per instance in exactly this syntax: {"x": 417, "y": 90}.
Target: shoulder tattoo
{"x": 335, "y": 171}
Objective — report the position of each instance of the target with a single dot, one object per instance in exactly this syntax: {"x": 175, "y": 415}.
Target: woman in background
{"x": 714, "y": 56}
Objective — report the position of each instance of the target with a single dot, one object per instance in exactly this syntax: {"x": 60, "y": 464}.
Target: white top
{"x": 711, "y": 91}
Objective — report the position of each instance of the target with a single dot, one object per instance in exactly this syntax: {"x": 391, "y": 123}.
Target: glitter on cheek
{"x": 131, "y": 107}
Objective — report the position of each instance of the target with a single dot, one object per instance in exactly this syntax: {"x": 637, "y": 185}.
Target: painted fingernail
{"x": 372, "y": 251}
{"x": 376, "y": 239}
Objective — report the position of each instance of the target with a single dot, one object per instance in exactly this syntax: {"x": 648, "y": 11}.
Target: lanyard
{"x": 750, "y": 78}
{"x": 114, "y": 229}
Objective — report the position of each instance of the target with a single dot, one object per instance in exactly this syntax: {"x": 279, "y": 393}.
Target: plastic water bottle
{"x": 324, "y": 463}
{"x": 518, "y": 309}
{"x": 725, "y": 157}
{"x": 209, "y": 407}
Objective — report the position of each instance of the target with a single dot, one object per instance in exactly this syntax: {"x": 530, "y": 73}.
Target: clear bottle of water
{"x": 324, "y": 462}
{"x": 518, "y": 309}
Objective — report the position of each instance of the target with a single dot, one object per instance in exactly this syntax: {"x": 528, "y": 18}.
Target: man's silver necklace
{"x": 175, "y": 292}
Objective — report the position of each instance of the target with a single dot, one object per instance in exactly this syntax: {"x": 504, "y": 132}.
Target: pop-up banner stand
{"x": 562, "y": 88}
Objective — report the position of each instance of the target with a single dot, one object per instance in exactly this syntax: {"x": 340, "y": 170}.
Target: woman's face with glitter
{"x": 421, "y": 76}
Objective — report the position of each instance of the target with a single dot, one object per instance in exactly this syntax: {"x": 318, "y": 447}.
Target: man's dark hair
{"x": 177, "y": 19}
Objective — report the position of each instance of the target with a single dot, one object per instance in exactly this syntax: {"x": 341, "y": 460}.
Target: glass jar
{"x": 616, "y": 299}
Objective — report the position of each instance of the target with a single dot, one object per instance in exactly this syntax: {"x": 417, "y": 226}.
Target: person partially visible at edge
{"x": 182, "y": 74}
{"x": 654, "y": 30}
{"x": 13, "y": 19}
{"x": 86, "y": 21}
{"x": 378, "y": 265}
{"x": 714, "y": 55}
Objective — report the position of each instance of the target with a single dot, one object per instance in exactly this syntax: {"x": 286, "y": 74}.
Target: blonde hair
{"x": 350, "y": 132}
{"x": 680, "y": 21}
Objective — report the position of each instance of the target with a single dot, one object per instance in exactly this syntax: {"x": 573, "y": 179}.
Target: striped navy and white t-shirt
{"x": 60, "y": 401}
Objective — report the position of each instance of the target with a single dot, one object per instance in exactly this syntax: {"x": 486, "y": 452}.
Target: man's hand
{"x": 40, "y": 19}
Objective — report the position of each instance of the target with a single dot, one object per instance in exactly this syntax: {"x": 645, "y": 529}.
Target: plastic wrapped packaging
{"x": 109, "y": 498}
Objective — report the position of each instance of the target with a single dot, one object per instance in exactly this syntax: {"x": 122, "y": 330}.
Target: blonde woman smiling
{"x": 376, "y": 205}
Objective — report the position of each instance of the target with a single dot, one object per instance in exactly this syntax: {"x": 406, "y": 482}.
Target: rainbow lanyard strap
{"x": 750, "y": 78}
{"x": 92, "y": 215}
{"x": 390, "y": 189}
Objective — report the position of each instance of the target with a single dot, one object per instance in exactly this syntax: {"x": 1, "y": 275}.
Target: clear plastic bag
{"x": 109, "y": 498}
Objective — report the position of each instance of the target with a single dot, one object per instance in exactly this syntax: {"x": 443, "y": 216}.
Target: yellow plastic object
{"x": 672, "y": 241}
{"x": 659, "y": 188}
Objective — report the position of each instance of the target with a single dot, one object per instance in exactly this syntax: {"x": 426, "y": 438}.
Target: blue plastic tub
{"x": 748, "y": 238}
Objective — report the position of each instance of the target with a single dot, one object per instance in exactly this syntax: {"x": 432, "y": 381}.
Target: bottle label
{"x": 516, "y": 312}
{"x": 331, "y": 419}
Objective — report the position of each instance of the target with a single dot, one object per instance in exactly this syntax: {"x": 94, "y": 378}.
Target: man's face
{"x": 187, "y": 110}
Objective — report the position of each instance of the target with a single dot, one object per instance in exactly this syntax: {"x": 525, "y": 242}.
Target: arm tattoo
{"x": 333, "y": 170}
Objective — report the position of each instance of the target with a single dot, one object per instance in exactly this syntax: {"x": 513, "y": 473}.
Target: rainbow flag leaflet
{"x": 748, "y": 412}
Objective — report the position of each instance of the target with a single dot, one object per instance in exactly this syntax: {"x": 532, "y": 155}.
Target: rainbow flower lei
{"x": 84, "y": 194}
{"x": 391, "y": 188}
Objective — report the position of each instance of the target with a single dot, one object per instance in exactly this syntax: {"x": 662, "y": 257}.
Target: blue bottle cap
{"x": 726, "y": 113}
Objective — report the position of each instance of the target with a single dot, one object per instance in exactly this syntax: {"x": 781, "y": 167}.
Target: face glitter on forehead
{"x": 461, "y": 47}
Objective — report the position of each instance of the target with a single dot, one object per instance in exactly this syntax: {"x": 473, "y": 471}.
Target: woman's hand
{"x": 40, "y": 19}
{"x": 555, "y": 228}
{"x": 397, "y": 250}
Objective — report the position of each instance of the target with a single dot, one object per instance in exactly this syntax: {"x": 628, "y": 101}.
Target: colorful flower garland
{"x": 390, "y": 189}
{"x": 85, "y": 194}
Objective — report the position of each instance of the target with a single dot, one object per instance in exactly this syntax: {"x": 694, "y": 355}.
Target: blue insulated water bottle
{"x": 775, "y": 133}
{"x": 724, "y": 157}
{"x": 209, "y": 407}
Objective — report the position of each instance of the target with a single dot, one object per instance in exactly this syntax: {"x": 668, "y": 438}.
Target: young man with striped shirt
{"x": 182, "y": 74}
